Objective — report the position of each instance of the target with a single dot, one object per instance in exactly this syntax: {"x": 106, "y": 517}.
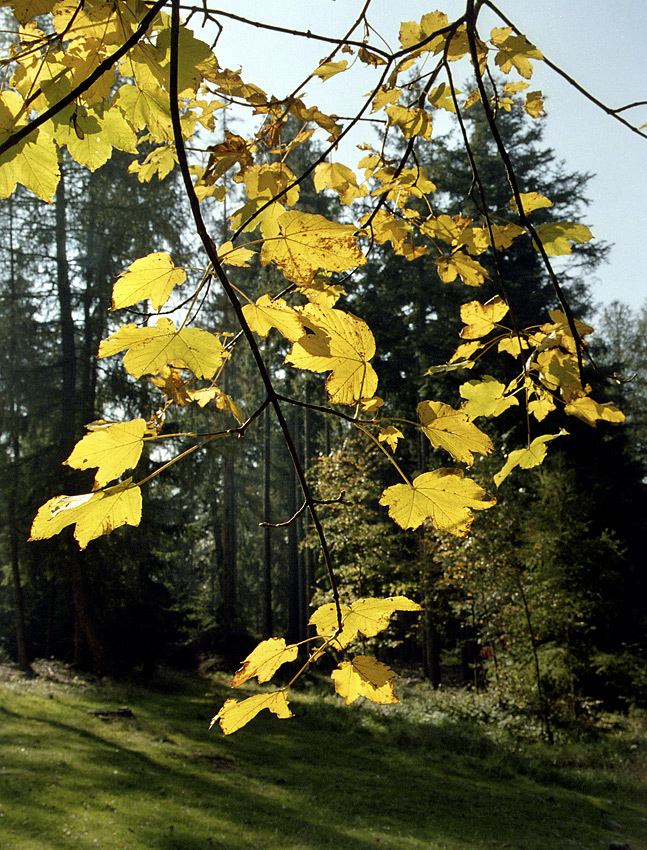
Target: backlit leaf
{"x": 369, "y": 616}
{"x": 365, "y": 676}
{"x": 149, "y": 349}
{"x": 94, "y": 514}
{"x": 339, "y": 342}
{"x": 390, "y": 435}
{"x": 444, "y": 496}
{"x": 590, "y": 411}
{"x": 307, "y": 243}
{"x": 112, "y": 448}
{"x": 480, "y": 319}
{"x": 485, "y": 397}
{"x": 531, "y": 201}
{"x": 470, "y": 271}
{"x": 556, "y": 236}
{"x": 234, "y": 714}
{"x": 526, "y": 458}
{"x": 270, "y": 313}
{"x": 329, "y": 69}
{"x": 152, "y": 277}
{"x": 452, "y": 430}
{"x": 265, "y": 660}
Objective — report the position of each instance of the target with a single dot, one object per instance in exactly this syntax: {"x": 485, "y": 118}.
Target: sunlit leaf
{"x": 329, "y": 69}
{"x": 112, "y": 448}
{"x": 452, "y": 430}
{"x": 152, "y": 277}
{"x": 234, "y": 714}
{"x": 485, "y": 397}
{"x": 444, "y": 496}
{"x": 526, "y": 458}
{"x": 365, "y": 676}
{"x": 265, "y": 660}
{"x": 480, "y": 319}
{"x": 94, "y": 514}
{"x": 270, "y": 313}
{"x": 590, "y": 411}
{"x": 556, "y": 236}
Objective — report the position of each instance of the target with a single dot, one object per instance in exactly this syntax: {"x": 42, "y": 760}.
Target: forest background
{"x": 543, "y": 604}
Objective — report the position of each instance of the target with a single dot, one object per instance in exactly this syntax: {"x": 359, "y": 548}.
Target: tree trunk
{"x": 267, "y": 518}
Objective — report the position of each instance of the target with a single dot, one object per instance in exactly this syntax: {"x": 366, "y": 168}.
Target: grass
{"x": 332, "y": 777}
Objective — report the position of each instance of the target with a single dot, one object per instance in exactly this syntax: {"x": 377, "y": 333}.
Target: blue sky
{"x": 601, "y": 44}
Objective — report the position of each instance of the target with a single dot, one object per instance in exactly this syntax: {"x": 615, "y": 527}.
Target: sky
{"x": 600, "y": 44}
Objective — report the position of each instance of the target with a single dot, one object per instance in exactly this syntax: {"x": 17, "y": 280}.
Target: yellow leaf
{"x": 149, "y": 349}
{"x": 365, "y": 676}
{"x": 480, "y": 319}
{"x": 444, "y": 496}
{"x": 111, "y": 448}
{"x": 556, "y": 236}
{"x": 172, "y": 384}
{"x": 339, "y": 342}
{"x": 263, "y": 182}
{"x": 152, "y": 277}
{"x": 514, "y": 50}
{"x": 341, "y": 179}
{"x": 542, "y": 405}
{"x": 234, "y": 715}
{"x": 231, "y": 256}
{"x": 452, "y": 430}
{"x": 531, "y": 201}
{"x": 385, "y": 96}
{"x": 274, "y": 313}
{"x": 265, "y": 660}
{"x": 411, "y": 33}
{"x": 534, "y": 104}
{"x": 389, "y": 435}
{"x": 513, "y": 345}
{"x": 464, "y": 352}
{"x": 441, "y": 97}
{"x": 32, "y": 162}
{"x": 306, "y": 243}
{"x": 412, "y": 122}
{"x": 369, "y": 616}
{"x": 329, "y": 69}
{"x": 590, "y": 411}
{"x": 470, "y": 271}
{"x": 147, "y": 110}
{"x": 485, "y": 398}
{"x": 526, "y": 458}
{"x": 94, "y": 514}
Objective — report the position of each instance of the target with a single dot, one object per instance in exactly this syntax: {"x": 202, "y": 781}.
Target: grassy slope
{"x": 332, "y": 777}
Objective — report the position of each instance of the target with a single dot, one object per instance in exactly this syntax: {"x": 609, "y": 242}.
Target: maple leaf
{"x": 470, "y": 271}
{"x": 526, "y": 458}
{"x": 234, "y": 714}
{"x": 452, "y": 430}
{"x": 365, "y": 676}
{"x": 265, "y": 660}
{"x": 444, "y": 496}
{"x": 480, "y": 319}
{"x": 556, "y": 236}
{"x": 149, "y": 349}
{"x": 534, "y": 104}
{"x": 112, "y": 448}
{"x": 339, "y": 342}
{"x": 341, "y": 179}
{"x": 513, "y": 345}
{"x": 589, "y": 411}
{"x": 411, "y": 122}
{"x": 152, "y": 277}
{"x": 270, "y": 313}
{"x": 485, "y": 397}
{"x": 390, "y": 435}
{"x": 329, "y": 69}
{"x": 306, "y": 243}
{"x": 94, "y": 514}
{"x": 369, "y": 616}
{"x": 231, "y": 256}
{"x": 514, "y": 50}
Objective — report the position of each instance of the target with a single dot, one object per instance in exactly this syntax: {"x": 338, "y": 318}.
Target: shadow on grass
{"x": 332, "y": 777}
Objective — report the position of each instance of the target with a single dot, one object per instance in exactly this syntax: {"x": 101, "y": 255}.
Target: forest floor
{"x": 76, "y": 772}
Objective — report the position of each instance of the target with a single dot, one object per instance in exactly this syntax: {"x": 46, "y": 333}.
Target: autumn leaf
{"x": 341, "y": 179}
{"x": 149, "y": 349}
{"x": 306, "y": 243}
{"x": 452, "y": 430}
{"x": 365, "y": 676}
{"x": 234, "y": 714}
{"x": 470, "y": 271}
{"x": 485, "y": 397}
{"x": 152, "y": 277}
{"x": 231, "y": 256}
{"x": 480, "y": 319}
{"x": 369, "y": 616}
{"x": 530, "y": 201}
{"x": 591, "y": 411}
{"x": 276, "y": 313}
{"x": 444, "y": 496}
{"x": 390, "y": 435}
{"x": 265, "y": 660}
{"x": 339, "y": 342}
{"x": 94, "y": 514}
{"x": 112, "y": 448}
{"x": 526, "y": 458}
{"x": 514, "y": 51}
{"x": 329, "y": 69}
{"x": 556, "y": 236}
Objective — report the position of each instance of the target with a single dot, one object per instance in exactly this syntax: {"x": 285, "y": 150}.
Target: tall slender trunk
{"x": 13, "y": 491}
{"x": 68, "y": 424}
{"x": 294, "y": 607}
{"x": 268, "y": 625}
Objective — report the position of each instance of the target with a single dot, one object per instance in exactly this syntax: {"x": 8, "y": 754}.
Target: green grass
{"x": 332, "y": 777}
